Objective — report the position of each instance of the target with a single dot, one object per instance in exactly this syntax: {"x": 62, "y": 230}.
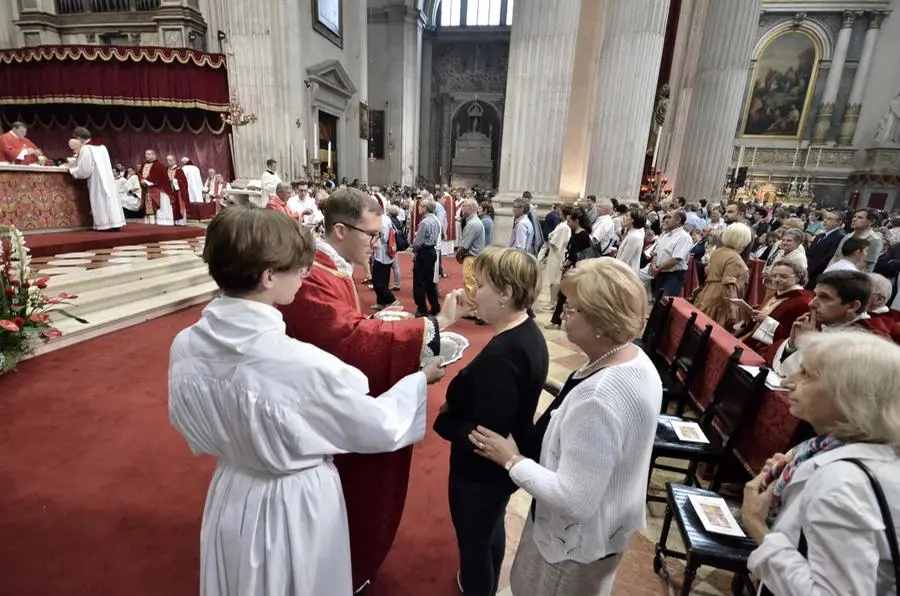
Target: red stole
{"x": 276, "y": 204}
{"x": 326, "y": 313}
{"x": 11, "y": 146}
{"x": 450, "y": 207}
{"x": 155, "y": 173}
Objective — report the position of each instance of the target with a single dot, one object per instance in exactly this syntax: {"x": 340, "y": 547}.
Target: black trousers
{"x": 423, "y": 281}
{"x": 478, "y": 511}
{"x": 670, "y": 282}
{"x": 381, "y": 283}
{"x": 556, "y": 318}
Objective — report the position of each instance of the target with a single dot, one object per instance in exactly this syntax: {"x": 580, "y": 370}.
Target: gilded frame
{"x": 332, "y": 31}
{"x": 758, "y": 67}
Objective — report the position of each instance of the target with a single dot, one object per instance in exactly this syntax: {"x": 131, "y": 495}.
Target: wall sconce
{"x": 298, "y": 123}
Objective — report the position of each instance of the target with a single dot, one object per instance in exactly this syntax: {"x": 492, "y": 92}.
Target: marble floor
{"x": 635, "y": 576}
{"x": 75, "y": 262}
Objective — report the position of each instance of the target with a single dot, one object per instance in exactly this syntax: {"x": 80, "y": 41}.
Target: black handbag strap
{"x": 890, "y": 529}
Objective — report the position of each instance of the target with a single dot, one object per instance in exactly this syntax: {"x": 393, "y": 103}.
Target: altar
{"x": 43, "y": 199}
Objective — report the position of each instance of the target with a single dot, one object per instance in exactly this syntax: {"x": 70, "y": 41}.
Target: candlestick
{"x": 329, "y": 155}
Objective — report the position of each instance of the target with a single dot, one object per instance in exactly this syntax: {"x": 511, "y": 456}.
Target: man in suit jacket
{"x": 824, "y": 246}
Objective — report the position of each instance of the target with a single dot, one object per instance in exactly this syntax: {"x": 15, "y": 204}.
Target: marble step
{"x": 84, "y": 281}
{"x": 108, "y": 296}
{"x": 129, "y": 313}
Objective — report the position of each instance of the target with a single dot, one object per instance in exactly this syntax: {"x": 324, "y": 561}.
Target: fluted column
{"x": 854, "y": 103}
{"x": 717, "y": 94}
{"x": 627, "y": 73}
{"x": 833, "y": 82}
{"x": 538, "y": 91}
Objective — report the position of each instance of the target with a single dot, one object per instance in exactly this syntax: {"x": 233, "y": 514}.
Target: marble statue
{"x": 889, "y": 127}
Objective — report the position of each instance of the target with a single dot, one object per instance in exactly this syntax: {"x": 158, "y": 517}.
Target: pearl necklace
{"x": 588, "y": 368}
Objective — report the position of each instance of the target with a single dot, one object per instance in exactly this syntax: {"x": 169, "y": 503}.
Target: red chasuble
{"x": 326, "y": 313}
{"x": 182, "y": 194}
{"x": 450, "y": 207}
{"x": 887, "y": 323}
{"x": 11, "y": 146}
{"x": 156, "y": 174}
{"x": 414, "y": 219}
{"x": 790, "y": 306}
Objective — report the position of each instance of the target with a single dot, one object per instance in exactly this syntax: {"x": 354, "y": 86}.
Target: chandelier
{"x": 236, "y": 116}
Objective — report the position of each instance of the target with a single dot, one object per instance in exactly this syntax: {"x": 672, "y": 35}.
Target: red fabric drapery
{"x": 128, "y": 132}
{"x": 120, "y": 76}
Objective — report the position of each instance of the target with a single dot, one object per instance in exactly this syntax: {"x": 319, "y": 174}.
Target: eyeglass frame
{"x": 374, "y": 236}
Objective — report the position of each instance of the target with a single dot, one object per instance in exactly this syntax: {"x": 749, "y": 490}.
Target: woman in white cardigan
{"x": 632, "y": 244}
{"x": 587, "y": 464}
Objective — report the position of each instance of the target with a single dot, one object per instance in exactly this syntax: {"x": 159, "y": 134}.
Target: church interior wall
{"x": 884, "y": 79}
{"x": 10, "y": 37}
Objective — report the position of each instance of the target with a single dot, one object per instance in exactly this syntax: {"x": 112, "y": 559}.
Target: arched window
{"x": 482, "y": 13}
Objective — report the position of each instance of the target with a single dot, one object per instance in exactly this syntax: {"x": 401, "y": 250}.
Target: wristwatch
{"x": 512, "y": 461}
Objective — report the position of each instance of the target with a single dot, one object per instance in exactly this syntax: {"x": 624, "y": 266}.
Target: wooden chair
{"x": 655, "y": 329}
{"x": 688, "y": 363}
{"x": 734, "y": 407}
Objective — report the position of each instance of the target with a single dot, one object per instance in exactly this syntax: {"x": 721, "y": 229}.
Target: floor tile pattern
{"x": 75, "y": 262}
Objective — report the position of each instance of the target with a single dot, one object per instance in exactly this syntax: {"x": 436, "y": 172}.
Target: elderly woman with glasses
{"x": 587, "y": 463}
{"x": 815, "y": 511}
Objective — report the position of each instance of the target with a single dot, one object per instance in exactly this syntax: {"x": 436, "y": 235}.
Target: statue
{"x": 660, "y": 109}
{"x": 889, "y": 127}
{"x": 792, "y": 189}
{"x": 475, "y": 113}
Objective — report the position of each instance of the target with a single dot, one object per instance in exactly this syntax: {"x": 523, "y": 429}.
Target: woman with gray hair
{"x": 825, "y": 514}
{"x": 790, "y": 248}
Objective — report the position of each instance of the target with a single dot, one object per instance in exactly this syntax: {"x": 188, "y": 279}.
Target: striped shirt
{"x": 429, "y": 232}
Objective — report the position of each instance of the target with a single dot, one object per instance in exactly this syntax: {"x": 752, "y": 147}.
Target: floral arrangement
{"x": 236, "y": 116}
{"x": 24, "y": 307}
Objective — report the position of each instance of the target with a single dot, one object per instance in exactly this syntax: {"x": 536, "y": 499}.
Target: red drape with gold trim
{"x": 121, "y": 76}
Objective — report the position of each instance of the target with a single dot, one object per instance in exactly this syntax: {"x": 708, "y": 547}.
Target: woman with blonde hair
{"x": 498, "y": 389}
{"x": 587, "y": 464}
{"x": 726, "y": 275}
{"x": 816, "y": 512}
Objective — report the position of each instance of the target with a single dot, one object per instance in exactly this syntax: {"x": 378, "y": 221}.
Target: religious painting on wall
{"x": 327, "y": 20}
{"x": 782, "y": 86}
{"x": 363, "y": 121}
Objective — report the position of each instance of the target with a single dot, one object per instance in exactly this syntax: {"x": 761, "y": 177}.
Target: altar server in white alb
{"x": 274, "y": 411}
{"x": 194, "y": 180}
{"x": 91, "y": 163}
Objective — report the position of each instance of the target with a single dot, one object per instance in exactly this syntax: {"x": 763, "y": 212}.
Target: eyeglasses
{"x": 374, "y": 235}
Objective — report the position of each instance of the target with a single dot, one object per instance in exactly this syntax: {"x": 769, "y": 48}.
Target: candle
{"x": 806, "y": 163}
{"x": 740, "y": 158}
{"x": 329, "y": 155}
{"x": 656, "y": 148}
{"x": 796, "y": 155}
{"x": 818, "y": 159}
{"x": 753, "y": 161}
{"x": 305, "y": 154}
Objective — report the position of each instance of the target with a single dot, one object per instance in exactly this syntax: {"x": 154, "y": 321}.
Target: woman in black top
{"x": 499, "y": 389}
{"x": 580, "y": 240}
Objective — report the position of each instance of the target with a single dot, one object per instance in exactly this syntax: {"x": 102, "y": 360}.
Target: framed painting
{"x": 328, "y": 20}
{"x": 782, "y": 86}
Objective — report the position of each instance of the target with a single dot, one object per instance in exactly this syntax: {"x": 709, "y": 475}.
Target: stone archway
{"x": 475, "y": 134}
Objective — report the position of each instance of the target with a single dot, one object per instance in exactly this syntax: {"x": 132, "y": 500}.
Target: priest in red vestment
{"x": 327, "y": 314}
{"x": 160, "y": 203}
{"x": 771, "y": 324}
{"x": 16, "y": 148}
{"x": 179, "y": 184}
{"x": 449, "y": 203}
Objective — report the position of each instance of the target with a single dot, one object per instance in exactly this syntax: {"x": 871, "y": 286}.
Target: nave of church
{"x": 724, "y": 172}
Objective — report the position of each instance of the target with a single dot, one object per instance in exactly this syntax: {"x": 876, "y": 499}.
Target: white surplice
{"x": 94, "y": 166}
{"x": 195, "y": 182}
{"x": 274, "y": 410}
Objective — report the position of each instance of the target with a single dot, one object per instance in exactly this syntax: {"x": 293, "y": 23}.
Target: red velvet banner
{"x": 114, "y": 76}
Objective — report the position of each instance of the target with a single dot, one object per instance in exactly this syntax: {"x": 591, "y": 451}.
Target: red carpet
{"x": 47, "y": 245}
{"x": 100, "y": 497}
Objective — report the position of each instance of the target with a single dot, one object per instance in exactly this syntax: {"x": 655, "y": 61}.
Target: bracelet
{"x": 512, "y": 461}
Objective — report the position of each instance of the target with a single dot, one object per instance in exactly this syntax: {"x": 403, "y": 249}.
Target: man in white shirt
{"x": 523, "y": 231}
{"x": 92, "y": 164}
{"x": 194, "y": 180}
{"x": 603, "y": 231}
{"x": 269, "y": 181}
{"x": 304, "y": 205}
{"x": 673, "y": 250}
{"x": 853, "y": 252}
{"x": 862, "y": 223}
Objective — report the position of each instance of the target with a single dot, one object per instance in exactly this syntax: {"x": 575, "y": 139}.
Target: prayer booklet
{"x": 715, "y": 516}
{"x": 689, "y": 432}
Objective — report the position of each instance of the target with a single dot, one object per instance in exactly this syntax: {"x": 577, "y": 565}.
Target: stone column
{"x": 717, "y": 93}
{"x": 854, "y": 103}
{"x": 627, "y": 72}
{"x": 541, "y": 55}
{"x": 404, "y": 55}
{"x": 426, "y": 163}
{"x": 833, "y": 82}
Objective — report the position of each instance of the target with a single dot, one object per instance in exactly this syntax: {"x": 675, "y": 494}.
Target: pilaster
{"x": 833, "y": 82}
{"x": 860, "y": 79}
